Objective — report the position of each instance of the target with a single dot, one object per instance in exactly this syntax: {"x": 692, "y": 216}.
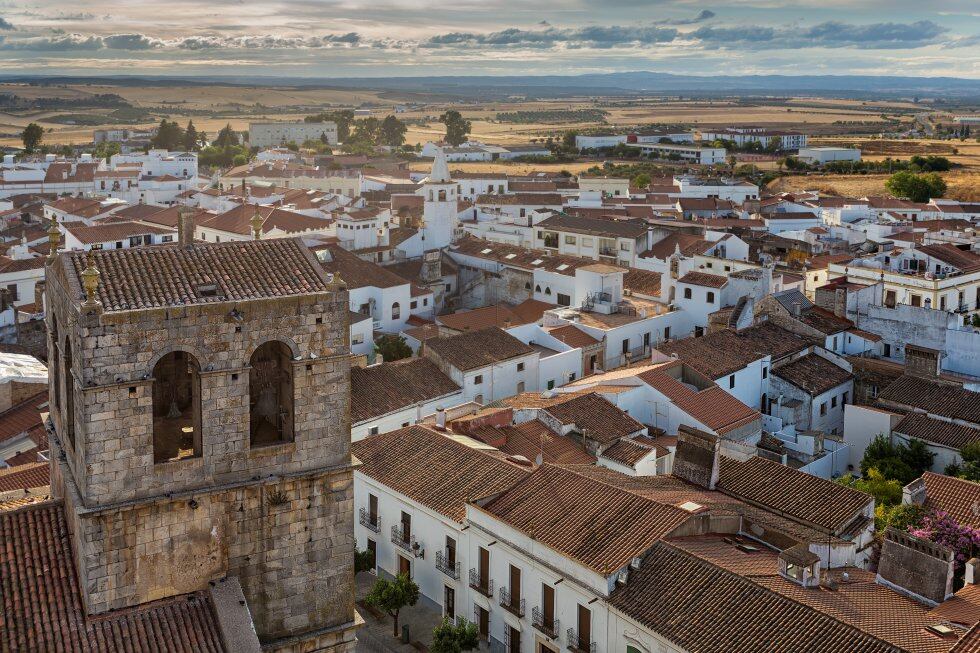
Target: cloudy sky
{"x": 355, "y": 38}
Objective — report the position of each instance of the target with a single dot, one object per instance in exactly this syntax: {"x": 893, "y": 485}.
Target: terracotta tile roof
{"x": 156, "y": 277}
{"x": 628, "y": 452}
{"x": 475, "y": 349}
{"x": 80, "y": 206}
{"x": 517, "y": 257}
{"x": 527, "y": 199}
{"x": 867, "y": 335}
{"x": 138, "y": 211}
{"x": 801, "y": 496}
{"x": 711, "y": 406}
{"x": 612, "y": 228}
{"x": 23, "y": 417}
{"x": 643, "y": 282}
{"x": 358, "y": 273}
{"x": 966, "y": 261}
{"x": 957, "y": 496}
{"x": 41, "y": 606}
{"x": 10, "y": 265}
{"x": 969, "y": 643}
{"x": 438, "y": 471}
{"x": 937, "y": 431}
{"x": 386, "y": 388}
{"x": 572, "y": 336}
{"x": 963, "y": 608}
{"x": 540, "y": 399}
{"x": 725, "y": 352}
{"x": 532, "y": 439}
{"x": 933, "y": 397}
{"x": 500, "y": 315}
{"x": 531, "y": 310}
{"x": 689, "y": 245}
{"x": 597, "y": 525}
{"x": 823, "y": 320}
{"x": 25, "y": 458}
{"x": 703, "y": 279}
{"x": 237, "y": 220}
{"x": 813, "y": 374}
{"x": 24, "y": 477}
{"x": 744, "y": 606}
{"x": 595, "y": 417}
{"x": 108, "y": 232}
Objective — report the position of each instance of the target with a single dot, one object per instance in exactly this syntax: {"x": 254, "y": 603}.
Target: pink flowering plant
{"x": 941, "y": 528}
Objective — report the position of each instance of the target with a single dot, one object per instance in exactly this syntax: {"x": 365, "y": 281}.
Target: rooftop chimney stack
{"x": 185, "y": 226}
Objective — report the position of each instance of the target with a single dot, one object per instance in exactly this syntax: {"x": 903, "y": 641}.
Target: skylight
{"x": 486, "y": 251}
{"x": 537, "y": 261}
{"x": 510, "y": 256}
{"x": 562, "y": 267}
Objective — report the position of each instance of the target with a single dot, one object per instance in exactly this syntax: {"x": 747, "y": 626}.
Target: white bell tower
{"x": 440, "y": 213}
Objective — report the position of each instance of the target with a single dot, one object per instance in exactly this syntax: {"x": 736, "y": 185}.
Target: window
{"x": 624, "y": 246}
{"x": 406, "y": 523}
{"x": 176, "y": 407}
{"x": 626, "y": 345}
{"x": 666, "y": 333}
{"x": 823, "y": 408}
{"x": 711, "y": 297}
{"x": 373, "y": 430}
{"x": 414, "y": 304}
{"x": 843, "y": 399}
{"x": 520, "y": 387}
{"x": 537, "y": 288}
{"x": 586, "y": 242}
{"x": 731, "y": 381}
{"x": 547, "y": 291}
{"x": 373, "y": 509}
{"x": 449, "y": 603}
{"x": 520, "y": 367}
{"x": 569, "y": 240}
{"x": 478, "y": 399}
{"x": 357, "y": 339}
{"x": 478, "y": 379}
{"x": 270, "y": 389}
{"x": 396, "y": 311}
{"x": 12, "y": 293}
{"x": 687, "y": 293}
{"x": 765, "y": 372}
{"x": 563, "y": 299}
{"x": 833, "y": 402}
{"x": 551, "y": 384}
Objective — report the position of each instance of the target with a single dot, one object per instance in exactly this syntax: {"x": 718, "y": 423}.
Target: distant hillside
{"x": 624, "y": 84}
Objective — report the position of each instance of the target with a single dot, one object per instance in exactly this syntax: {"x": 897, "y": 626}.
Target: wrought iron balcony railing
{"x": 369, "y": 521}
{"x": 446, "y": 565}
{"x": 511, "y": 603}
{"x": 481, "y": 584}
{"x": 578, "y": 644}
{"x": 538, "y": 620}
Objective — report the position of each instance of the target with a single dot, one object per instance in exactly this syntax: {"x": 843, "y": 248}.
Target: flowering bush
{"x": 940, "y": 528}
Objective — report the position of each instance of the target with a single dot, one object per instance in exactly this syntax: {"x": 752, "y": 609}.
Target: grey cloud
{"x": 129, "y": 42}
{"x": 66, "y": 43}
{"x": 5, "y": 24}
{"x": 597, "y": 37}
{"x": 831, "y": 34}
{"x": 706, "y": 14}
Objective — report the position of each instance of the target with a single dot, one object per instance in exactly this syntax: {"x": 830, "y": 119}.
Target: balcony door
{"x": 515, "y": 586}
{"x": 548, "y": 605}
{"x": 584, "y": 627}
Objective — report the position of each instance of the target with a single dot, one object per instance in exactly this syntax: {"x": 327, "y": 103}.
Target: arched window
{"x": 396, "y": 311}
{"x": 527, "y": 286}
{"x": 442, "y": 196}
{"x": 68, "y": 416}
{"x": 537, "y": 288}
{"x": 547, "y": 291}
{"x": 270, "y": 390}
{"x": 176, "y": 407}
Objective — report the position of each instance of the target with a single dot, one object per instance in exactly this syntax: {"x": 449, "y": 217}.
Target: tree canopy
{"x": 32, "y": 136}
{"x": 392, "y": 347}
{"x": 391, "y": 596}
{"x": 392, "y": 132}
{"x": 454, "y": 636}
{"x": 916, "y": 187}
{"x": 169, "y": 136}
{"x": 457, "y": 127}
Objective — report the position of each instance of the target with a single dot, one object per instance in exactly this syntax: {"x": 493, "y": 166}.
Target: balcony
{"x": 511, "y": 603}
{"x": 448, "y": 566}
{"x": 481, "y": 584}
{"x": 538, "y": 620}
{"x": 408, "y": 543}
{"x": 369, "y": 521}
{"x": 577, "y": 644}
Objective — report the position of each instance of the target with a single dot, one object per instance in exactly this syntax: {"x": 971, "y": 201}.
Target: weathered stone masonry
{"x": 278, "y": 517}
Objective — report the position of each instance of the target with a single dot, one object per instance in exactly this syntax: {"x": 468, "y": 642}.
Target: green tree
{"x": 106, "y": 149}
{"x": 32, "y": 136}
{"x": 226, "y": 137}
{"x": 899, "y": 462}
{"x": 641, "y": 180}
{"x": 392, "y": 347}
{"x": 192, "y": 140}
{"x": 969, "y": 469}
{"x": 917, "y": 456}
{"x": 169, "y": 136}
{"x": 916, "y": 187}
{"x": 568, "y": 141}
{"x": 457, "y": 127}
{"x": 363, "y": 561}
{"x": 342, "y": 119}
{"x": 391, "y": 596}
{"x": 392, "y": 131}
{"x": 454, "y": 637}
{"x": 367, "y": 130}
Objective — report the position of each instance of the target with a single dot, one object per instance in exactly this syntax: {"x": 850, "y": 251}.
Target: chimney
{"x": 971, "y": 570}
{"x": 916, "y": 567}
{"x": 185, "y": 226}
{"x": 797, "y": 308}
{"x": 696, "y": 458}
{"x": 440, "y": 418}
{"x": 923, "y": 362}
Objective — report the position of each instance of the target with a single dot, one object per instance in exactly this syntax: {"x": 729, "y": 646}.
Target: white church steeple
{"x": 440, "y": 214}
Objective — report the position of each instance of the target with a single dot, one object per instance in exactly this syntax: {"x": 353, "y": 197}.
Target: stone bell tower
{"x": 200, "y": 430}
